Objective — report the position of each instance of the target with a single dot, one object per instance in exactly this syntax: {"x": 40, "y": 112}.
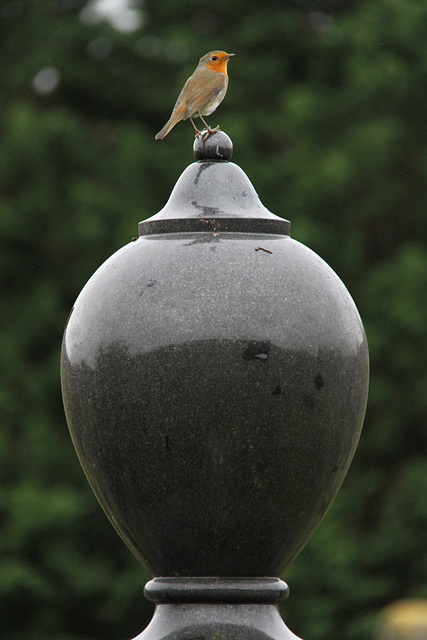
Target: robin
{"x": 202, "y": 93}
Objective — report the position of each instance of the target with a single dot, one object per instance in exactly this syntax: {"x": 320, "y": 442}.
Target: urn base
{"x": 216, "y": 609}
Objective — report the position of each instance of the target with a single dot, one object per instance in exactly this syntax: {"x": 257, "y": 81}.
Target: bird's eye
{"x": 214, "y": 58}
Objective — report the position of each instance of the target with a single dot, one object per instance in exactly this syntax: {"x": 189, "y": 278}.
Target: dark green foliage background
{"x": 327, "y": 108}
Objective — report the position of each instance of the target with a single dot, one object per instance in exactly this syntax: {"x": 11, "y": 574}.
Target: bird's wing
{"x": 200, "y": 88}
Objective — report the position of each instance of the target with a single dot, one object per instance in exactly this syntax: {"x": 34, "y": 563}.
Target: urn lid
{"x": 215, "y": 195}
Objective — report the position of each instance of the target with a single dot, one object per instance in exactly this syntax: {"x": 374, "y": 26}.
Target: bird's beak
{"x": 229, "y": 55}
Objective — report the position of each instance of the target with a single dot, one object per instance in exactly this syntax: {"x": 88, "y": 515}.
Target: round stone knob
{"x": 217, "y": 146}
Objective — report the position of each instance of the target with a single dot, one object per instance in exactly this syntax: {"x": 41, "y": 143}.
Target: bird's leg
{"x": 195, "y": 128}
{"x": 209, "y": 130}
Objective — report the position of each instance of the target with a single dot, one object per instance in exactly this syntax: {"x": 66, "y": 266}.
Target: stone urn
{"x": 215, "y": 377}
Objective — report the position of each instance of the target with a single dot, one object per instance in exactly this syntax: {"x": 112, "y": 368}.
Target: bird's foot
{"x": 217, "y": 128}
{"x": 209, "y": 131}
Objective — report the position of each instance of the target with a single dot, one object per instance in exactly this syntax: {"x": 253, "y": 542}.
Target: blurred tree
{"x": 327, "y": 111}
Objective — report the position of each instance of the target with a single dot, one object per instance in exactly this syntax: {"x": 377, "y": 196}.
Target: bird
{"x": 203, "y": 92}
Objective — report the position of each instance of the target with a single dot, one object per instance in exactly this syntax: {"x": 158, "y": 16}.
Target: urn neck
{"x": 216, "y": 590}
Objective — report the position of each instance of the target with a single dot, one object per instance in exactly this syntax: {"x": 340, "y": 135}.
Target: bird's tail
{"x": 168, "y": 126}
